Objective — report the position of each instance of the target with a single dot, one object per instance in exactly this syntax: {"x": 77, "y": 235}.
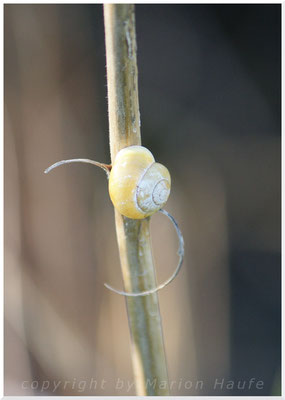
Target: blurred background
{"x": 209, "y": 88}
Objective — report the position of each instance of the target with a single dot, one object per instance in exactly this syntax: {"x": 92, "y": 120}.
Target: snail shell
{"x": 138, "y": 186}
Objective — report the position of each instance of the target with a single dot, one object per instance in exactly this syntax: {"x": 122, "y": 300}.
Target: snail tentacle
{"x": 106, "y": 167}
{"x": 175, "y": 273}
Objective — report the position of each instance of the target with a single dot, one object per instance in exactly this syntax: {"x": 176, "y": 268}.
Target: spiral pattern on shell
{"x": 138, "y": 186}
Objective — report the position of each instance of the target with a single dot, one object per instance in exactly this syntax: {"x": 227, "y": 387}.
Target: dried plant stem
{"x": 133, "y": 236}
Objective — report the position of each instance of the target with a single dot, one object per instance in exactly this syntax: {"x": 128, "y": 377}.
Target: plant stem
{"x": 147, "y": 348}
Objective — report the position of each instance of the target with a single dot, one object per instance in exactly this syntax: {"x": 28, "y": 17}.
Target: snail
{"x": 138, "y": 188}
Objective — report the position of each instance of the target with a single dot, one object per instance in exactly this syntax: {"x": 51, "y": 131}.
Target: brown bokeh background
{"x": 209, "y": 86}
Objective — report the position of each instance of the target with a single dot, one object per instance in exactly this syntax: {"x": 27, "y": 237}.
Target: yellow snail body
{"x": 138, "y": 186}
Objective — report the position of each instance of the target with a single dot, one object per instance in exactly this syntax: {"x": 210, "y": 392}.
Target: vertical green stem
{"x": 147, "y": 348}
